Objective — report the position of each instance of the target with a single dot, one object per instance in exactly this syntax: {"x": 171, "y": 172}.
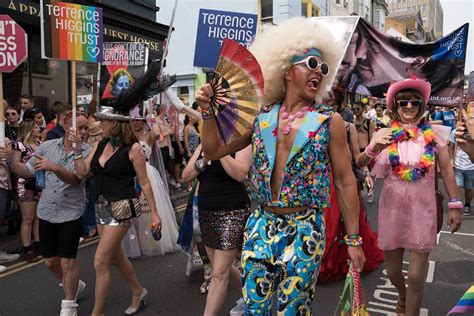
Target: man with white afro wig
{"x": 297, "y": 143}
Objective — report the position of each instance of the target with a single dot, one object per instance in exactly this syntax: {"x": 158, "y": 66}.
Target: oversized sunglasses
{"x": 404, "y": 103}
{"x": 313, "y": 63}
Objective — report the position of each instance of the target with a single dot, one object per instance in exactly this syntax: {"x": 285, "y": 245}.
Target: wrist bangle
{"x": 353, "y": 240}
{"x": 77, "y": 157}
{"x": 207, "y": 113}
{"x": 369, "y": 152}
{"x": 454, "y": 200}
{"x": 455, "y": 205}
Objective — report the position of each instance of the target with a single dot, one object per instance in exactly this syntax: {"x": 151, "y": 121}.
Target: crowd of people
{"x": 285, "y": 200}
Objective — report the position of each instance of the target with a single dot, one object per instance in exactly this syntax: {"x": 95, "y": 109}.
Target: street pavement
{"x": 33, "y": 291}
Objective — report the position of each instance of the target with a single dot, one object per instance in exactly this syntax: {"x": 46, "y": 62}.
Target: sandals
{"x": 400, "y": 307}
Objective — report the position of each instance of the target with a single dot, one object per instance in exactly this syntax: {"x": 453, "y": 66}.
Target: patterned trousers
{"x": 281, "y": 253}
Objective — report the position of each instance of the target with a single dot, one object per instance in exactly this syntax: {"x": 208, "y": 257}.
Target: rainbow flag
{"x": 465, "y": 304}
{"x": 71, "y": 31}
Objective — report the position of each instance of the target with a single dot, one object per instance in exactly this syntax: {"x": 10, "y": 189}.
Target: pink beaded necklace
{"x": 291, "y": 117}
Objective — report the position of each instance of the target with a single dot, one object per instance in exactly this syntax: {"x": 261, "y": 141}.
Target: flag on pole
{"x": 465, "y": 304}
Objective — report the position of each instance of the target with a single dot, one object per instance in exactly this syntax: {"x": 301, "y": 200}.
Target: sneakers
{"x": 3, "y": 269}
{"x": 68, "y": 308}
{"x": 466, "y": 211}
{"x": 239, "y": 308}
{"x": 80, "y": 288}
{"x": 6, "y": 257}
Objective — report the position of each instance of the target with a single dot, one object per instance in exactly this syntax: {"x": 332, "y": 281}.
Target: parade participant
{"x": 334, "y": 266}
{"x": 24, "y": 148}
{"x": 13, "y": 121}
{"x": 464, "y": 129}
{"x": 292, "y": 157}
{"x": 380, "y": 120}
{"x": 223, "y": 211}
{"x": 405, "y": 157}
{"x": 138, "y": 241}
{"x": 60, "y": 224}
{"x": 362, "y": 125}
{"x": 58, "y": 130}
{"x": 463, "y": 171}
{"x": 115, "y": 162}
{"x": 25, "y": 102}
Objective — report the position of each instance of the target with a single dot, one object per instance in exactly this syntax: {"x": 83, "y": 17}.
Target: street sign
{"x": 214, "y": 26}
{"x": 13, "y": 44}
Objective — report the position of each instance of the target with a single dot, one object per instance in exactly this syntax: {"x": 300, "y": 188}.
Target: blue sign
{"x": 214, "y": 26}
{"x": 453, "y": 45}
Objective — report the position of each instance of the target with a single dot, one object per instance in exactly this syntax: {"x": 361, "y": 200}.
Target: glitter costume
{"x": 284, "y": 253}
{"x": 223, "y": 208}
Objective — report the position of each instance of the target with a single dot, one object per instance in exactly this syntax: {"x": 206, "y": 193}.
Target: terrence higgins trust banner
{"x": 373, "y": 60}
{"x": 123, "y": 63}
{"x": 70, "y": 31}
{"x": 214, "y": 26}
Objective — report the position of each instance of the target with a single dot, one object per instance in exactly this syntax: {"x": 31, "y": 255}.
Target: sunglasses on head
{"x": 404, "y": 103}
{"x": 312, "y": 63}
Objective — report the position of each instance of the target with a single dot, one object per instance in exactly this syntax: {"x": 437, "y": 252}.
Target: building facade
{"x": 409, "y": 24}
{"x": 49, "y": 80}
{"x": 374, "y": 11}
{"x": 431, "y": 13}
{"x": 183, "y": 39}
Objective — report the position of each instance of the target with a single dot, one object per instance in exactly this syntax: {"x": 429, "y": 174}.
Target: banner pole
{"x": 73, "y": 95}
{"x": 2, "y": 114}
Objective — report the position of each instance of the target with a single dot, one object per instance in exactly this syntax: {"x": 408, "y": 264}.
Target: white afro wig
{"x": 276, "y": 45}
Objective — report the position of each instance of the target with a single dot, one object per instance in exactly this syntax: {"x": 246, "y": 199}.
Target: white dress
{"x": 138, "y": 241}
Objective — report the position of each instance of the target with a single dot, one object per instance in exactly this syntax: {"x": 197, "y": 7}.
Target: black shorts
{"x": 60, "y": 239}
{"x": 178, "y": 158}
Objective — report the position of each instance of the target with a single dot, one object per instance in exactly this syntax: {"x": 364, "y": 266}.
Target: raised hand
{"x": 382, "y": 139}
{"x": 203, "y": 96}
{"x": 74, "y": 137}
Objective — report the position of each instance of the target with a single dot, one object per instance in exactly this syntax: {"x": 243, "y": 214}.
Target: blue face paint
{"x": 311, "y": 52}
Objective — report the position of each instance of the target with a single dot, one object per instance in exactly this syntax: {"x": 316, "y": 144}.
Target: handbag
{"x": 352, "y": 302}
{"x": 125, "y": 209}
{"x": 439, "y": 201}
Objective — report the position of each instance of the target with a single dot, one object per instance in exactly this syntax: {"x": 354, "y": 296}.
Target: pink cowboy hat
{"x": 423, "y": 86}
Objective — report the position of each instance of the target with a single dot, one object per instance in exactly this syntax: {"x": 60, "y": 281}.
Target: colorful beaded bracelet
{"x": 207, "y": 113}
{"x": 353, "y": 240}
{"x": 455, "y": 205}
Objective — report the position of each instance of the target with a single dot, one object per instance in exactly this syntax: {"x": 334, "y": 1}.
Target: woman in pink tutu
{"x": 404, "y": 156}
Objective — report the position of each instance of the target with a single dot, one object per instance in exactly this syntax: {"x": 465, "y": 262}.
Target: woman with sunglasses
{"x": 405, "y": 156}
{"x": 12, "y": 115}
{"x": 29, "y": 136}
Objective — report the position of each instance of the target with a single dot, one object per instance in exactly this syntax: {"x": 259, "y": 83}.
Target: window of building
{"x": 309, "y": 9}
{"x": 183, "y": 94}
{"x": 266, "y": 7}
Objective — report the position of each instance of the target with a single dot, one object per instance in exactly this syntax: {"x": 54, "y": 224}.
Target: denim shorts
{"x": 464, "y": 178}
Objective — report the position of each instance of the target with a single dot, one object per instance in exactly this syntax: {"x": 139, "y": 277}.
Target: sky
{"x": 456, "y": 13}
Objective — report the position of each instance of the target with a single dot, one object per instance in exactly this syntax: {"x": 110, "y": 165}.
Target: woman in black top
{"x": 115, "y": 161}
{"x": 223, "y": 210}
